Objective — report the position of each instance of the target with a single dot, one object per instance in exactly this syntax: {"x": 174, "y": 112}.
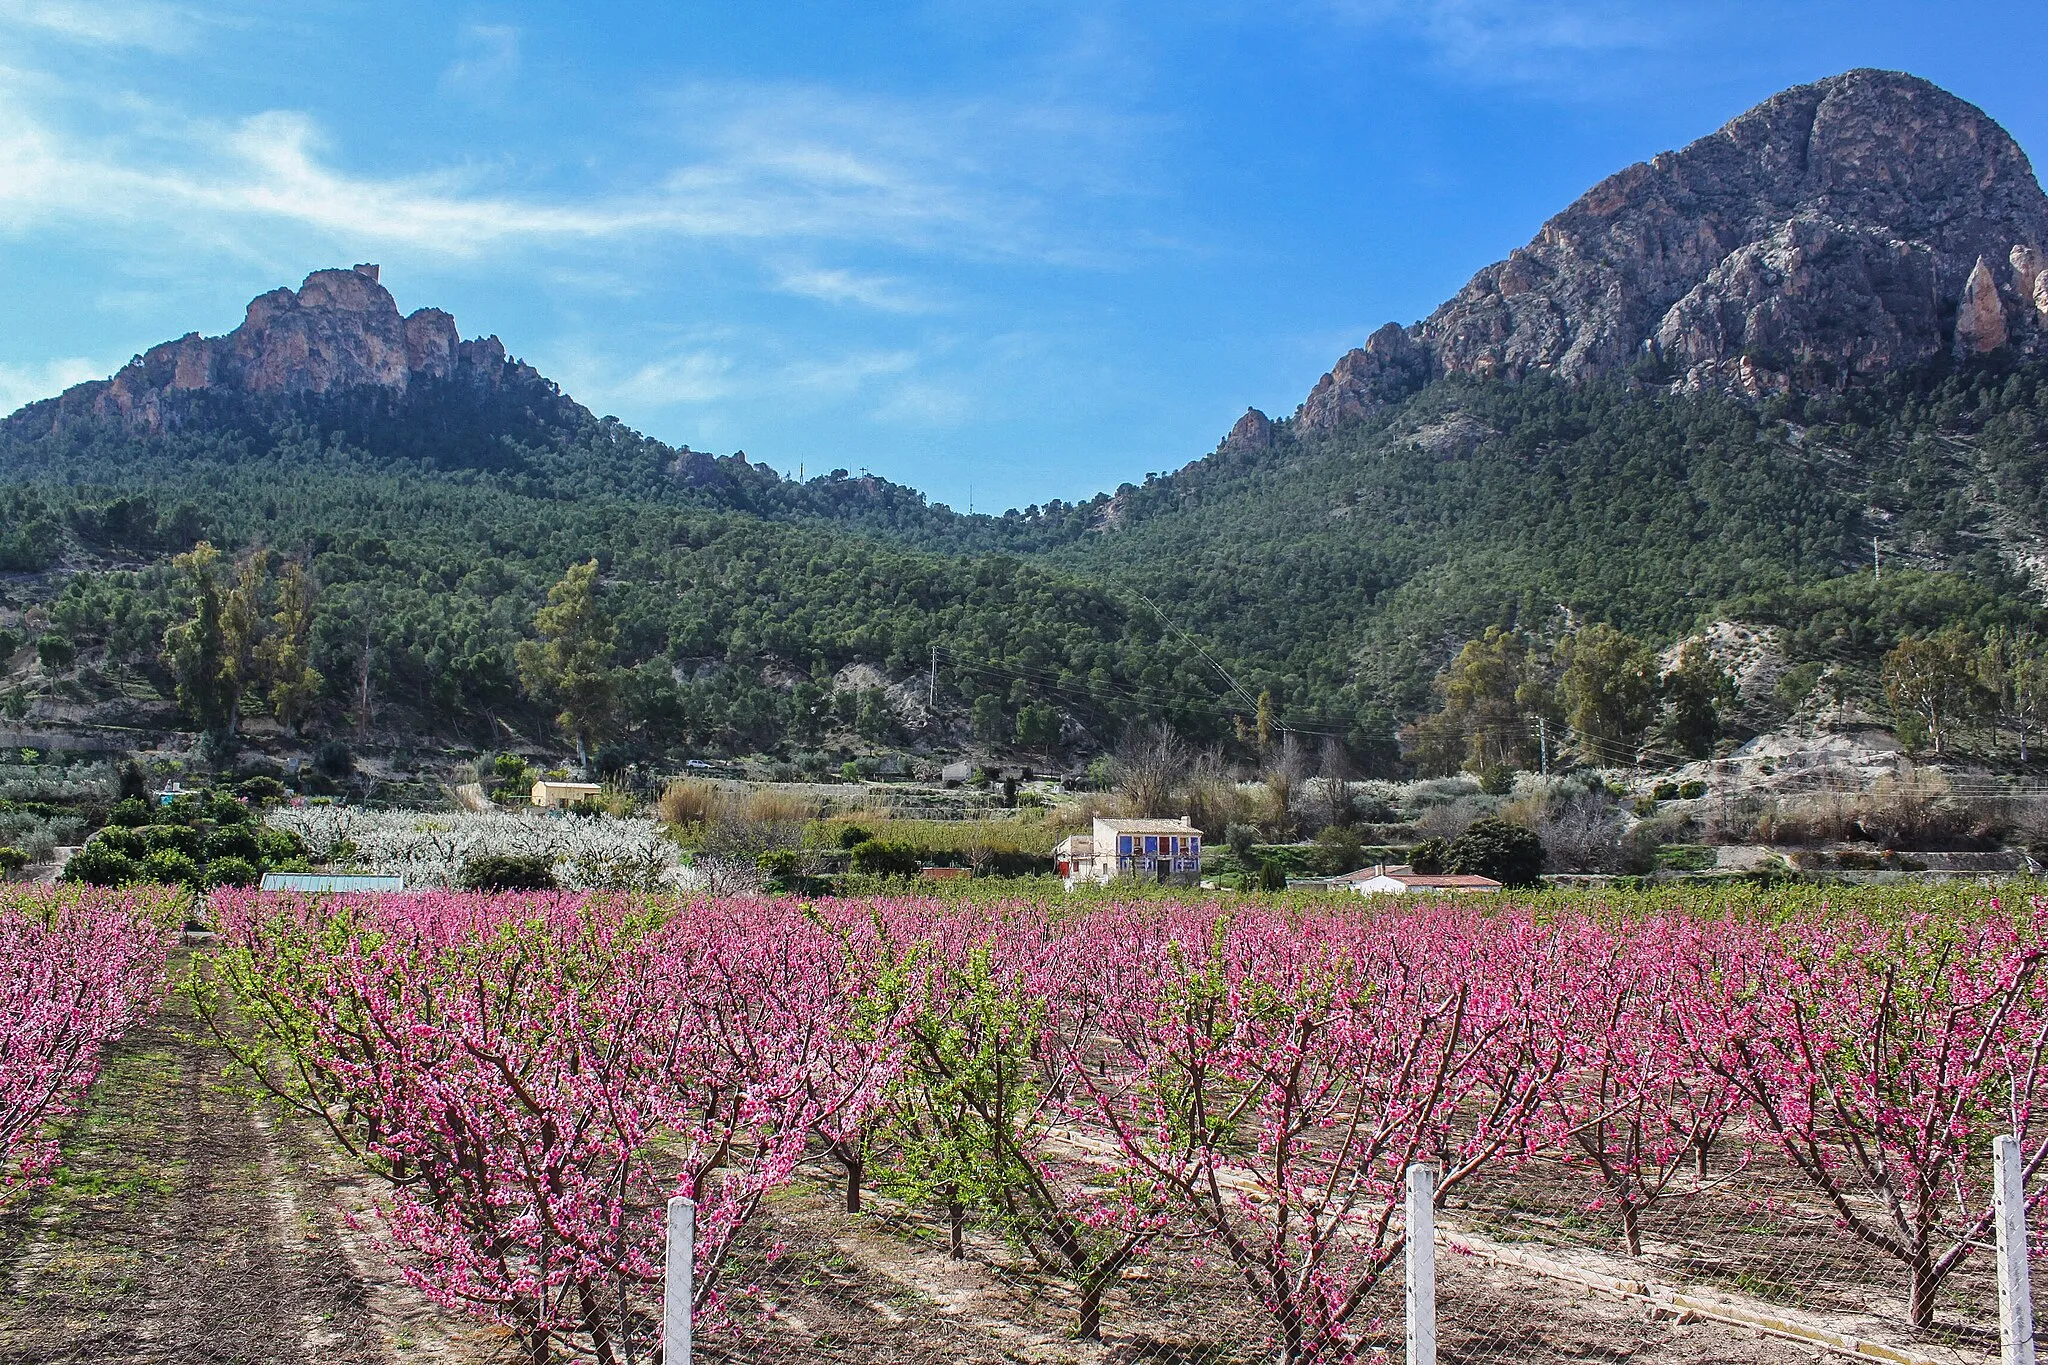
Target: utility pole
{"x": 1876, "y": 562}
{"x": 931, "y": 696}
{"x": 363, "y": 687}
{"x": 1543, "y": 745}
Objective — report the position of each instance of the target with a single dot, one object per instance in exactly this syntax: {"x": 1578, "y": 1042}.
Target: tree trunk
{"x": 594, "y": 1325}
{"x": 1632, "y": 1226}
{"x": 1699, "y": 1158}
{"x": 956, "y": 1218}
{"x": 1920, "y": 1297}
{"x": 854, "y": 1164}
{"x": 1090, "y": 1326}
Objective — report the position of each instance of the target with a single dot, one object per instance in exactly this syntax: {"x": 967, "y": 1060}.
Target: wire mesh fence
{"x": 1531, "y": 1266}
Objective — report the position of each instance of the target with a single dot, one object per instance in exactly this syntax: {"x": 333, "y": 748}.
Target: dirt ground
{"x": 191, "y": 1223}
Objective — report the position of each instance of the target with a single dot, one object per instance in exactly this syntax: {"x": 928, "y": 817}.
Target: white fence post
{"x": 2015, "y": 1291}
{"x": 680, "y": 1262}
{"x": 1421, "y": 1251}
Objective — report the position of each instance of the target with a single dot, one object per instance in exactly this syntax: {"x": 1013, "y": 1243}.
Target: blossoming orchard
{"x": 1157, "y": 1131}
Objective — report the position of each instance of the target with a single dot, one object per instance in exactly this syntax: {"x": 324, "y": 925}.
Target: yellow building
{"x": 546, "y": 794}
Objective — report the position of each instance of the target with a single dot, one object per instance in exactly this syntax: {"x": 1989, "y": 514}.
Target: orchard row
{"x": 537, "y": 1075}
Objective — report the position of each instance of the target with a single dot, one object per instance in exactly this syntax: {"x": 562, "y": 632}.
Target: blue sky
{"x": 1011, "y": 251}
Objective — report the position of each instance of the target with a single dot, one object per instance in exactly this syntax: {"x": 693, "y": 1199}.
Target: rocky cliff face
{"x": 339, "y": 333}
{"x": 1835, "y": 232}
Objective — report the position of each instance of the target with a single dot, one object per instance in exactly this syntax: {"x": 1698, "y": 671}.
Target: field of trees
{"x": 1186, "y": 1122}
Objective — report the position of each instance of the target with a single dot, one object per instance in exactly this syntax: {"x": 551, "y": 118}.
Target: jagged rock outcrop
{"x": 1388, "y": 368}
{"x": 1835, "y": 232}
{"x": 339, "y": 332}
{"x": 1253, "y": 432}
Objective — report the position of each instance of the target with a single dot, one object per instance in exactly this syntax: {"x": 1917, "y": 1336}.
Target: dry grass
{"x": 767, "y": 805}
{"x": 690, "y": 801}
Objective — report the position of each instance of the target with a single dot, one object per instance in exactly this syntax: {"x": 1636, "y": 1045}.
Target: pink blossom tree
{"x": 1276, "y": 1078}
{"x": 1633, "y": 1106}
{"x": 78, "y": 968}
{"x": 1880, "y": 1058}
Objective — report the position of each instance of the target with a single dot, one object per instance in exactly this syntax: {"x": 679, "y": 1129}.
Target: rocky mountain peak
{"x": 1836, "y": 231}
{"x": 1253, "y": 432}
{"x": 339, "y": 332}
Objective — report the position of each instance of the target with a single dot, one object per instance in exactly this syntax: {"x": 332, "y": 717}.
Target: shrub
{"x": 262, "y": 789}
{"x": 131, "y": 812}
{"x": 1497, "y": 780}
{"x": 234, "y": 841}
{"x": 1241, "y": 838}
{"x": 334, "y": 759}
{"x": 1664, "y": 791}
{"x": 1509, "y": 854}
{"x": 180, "y": 839}
{"x": 12, "y": 860}
{"x": 223, "y": 809}
{"x": 129, "y": 843}
{"x": 170, "y": 867}
{"x": 232, "y": 872}
{"x": 508, "y": 872}
{"x": 1343, "y": 849}
{"x": 1692, "y": 791}
{"x": 1431, "y": 857}
{"x": 99, "y": 864}
{"x": 853, "y": 836}
{"x": 879, "y": 859}
{"x": 1272, "y": 876}
{"x": 279, "y": 846}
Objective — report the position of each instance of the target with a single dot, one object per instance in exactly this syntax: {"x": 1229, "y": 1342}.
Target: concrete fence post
{"x": 676, "y": 1281}
{"x": 1421, "y": 1252}
{"x": 2015, "y": 1288}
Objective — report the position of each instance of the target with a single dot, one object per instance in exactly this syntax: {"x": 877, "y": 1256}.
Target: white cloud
{"x": 486, "y": 63}
{"x": 926, "y": 405}
{"x": 102, "y": 23}
{"x": 753, "y": 165}
{"x": 20, "y": 384}
{"x": 723, "y": 367}
{"x": 883, "y": 293}
{"x": 697, "y": 375}
{"x": 1515, "y": 40}
{"x": 845, "y": 374}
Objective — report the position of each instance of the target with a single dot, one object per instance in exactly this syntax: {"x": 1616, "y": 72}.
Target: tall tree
{"x": 569, "y": 661}
{"x": 1610, "y": 691}
{"x": 1929, "y": 681}
{"x": 1699, "y": 691}
{"x": 197, "y": 648}
{"x": 1493, "y": 693}
{"x": 287, "y": 666}
{"x": 2012, "y": 670}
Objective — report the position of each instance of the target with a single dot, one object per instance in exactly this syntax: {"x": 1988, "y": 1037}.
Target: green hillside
{"x": 1336, "y": 573}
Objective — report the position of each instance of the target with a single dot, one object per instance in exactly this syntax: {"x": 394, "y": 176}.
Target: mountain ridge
{"x": 1836, "y": 232}
{"x": 1336, "y": 563}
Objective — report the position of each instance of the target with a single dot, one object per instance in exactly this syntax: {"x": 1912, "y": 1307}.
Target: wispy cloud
{"x": 21, "y": 384}
{"x": 699, "y": 374}
{"x": 722, "y": 368}
{"x": 102, "y": 23}
{"x": 486, "y": 63}
{"x": 1516, "y": 40}
{"x": 883, "y": 293}
{"x": 761, "y": 165}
